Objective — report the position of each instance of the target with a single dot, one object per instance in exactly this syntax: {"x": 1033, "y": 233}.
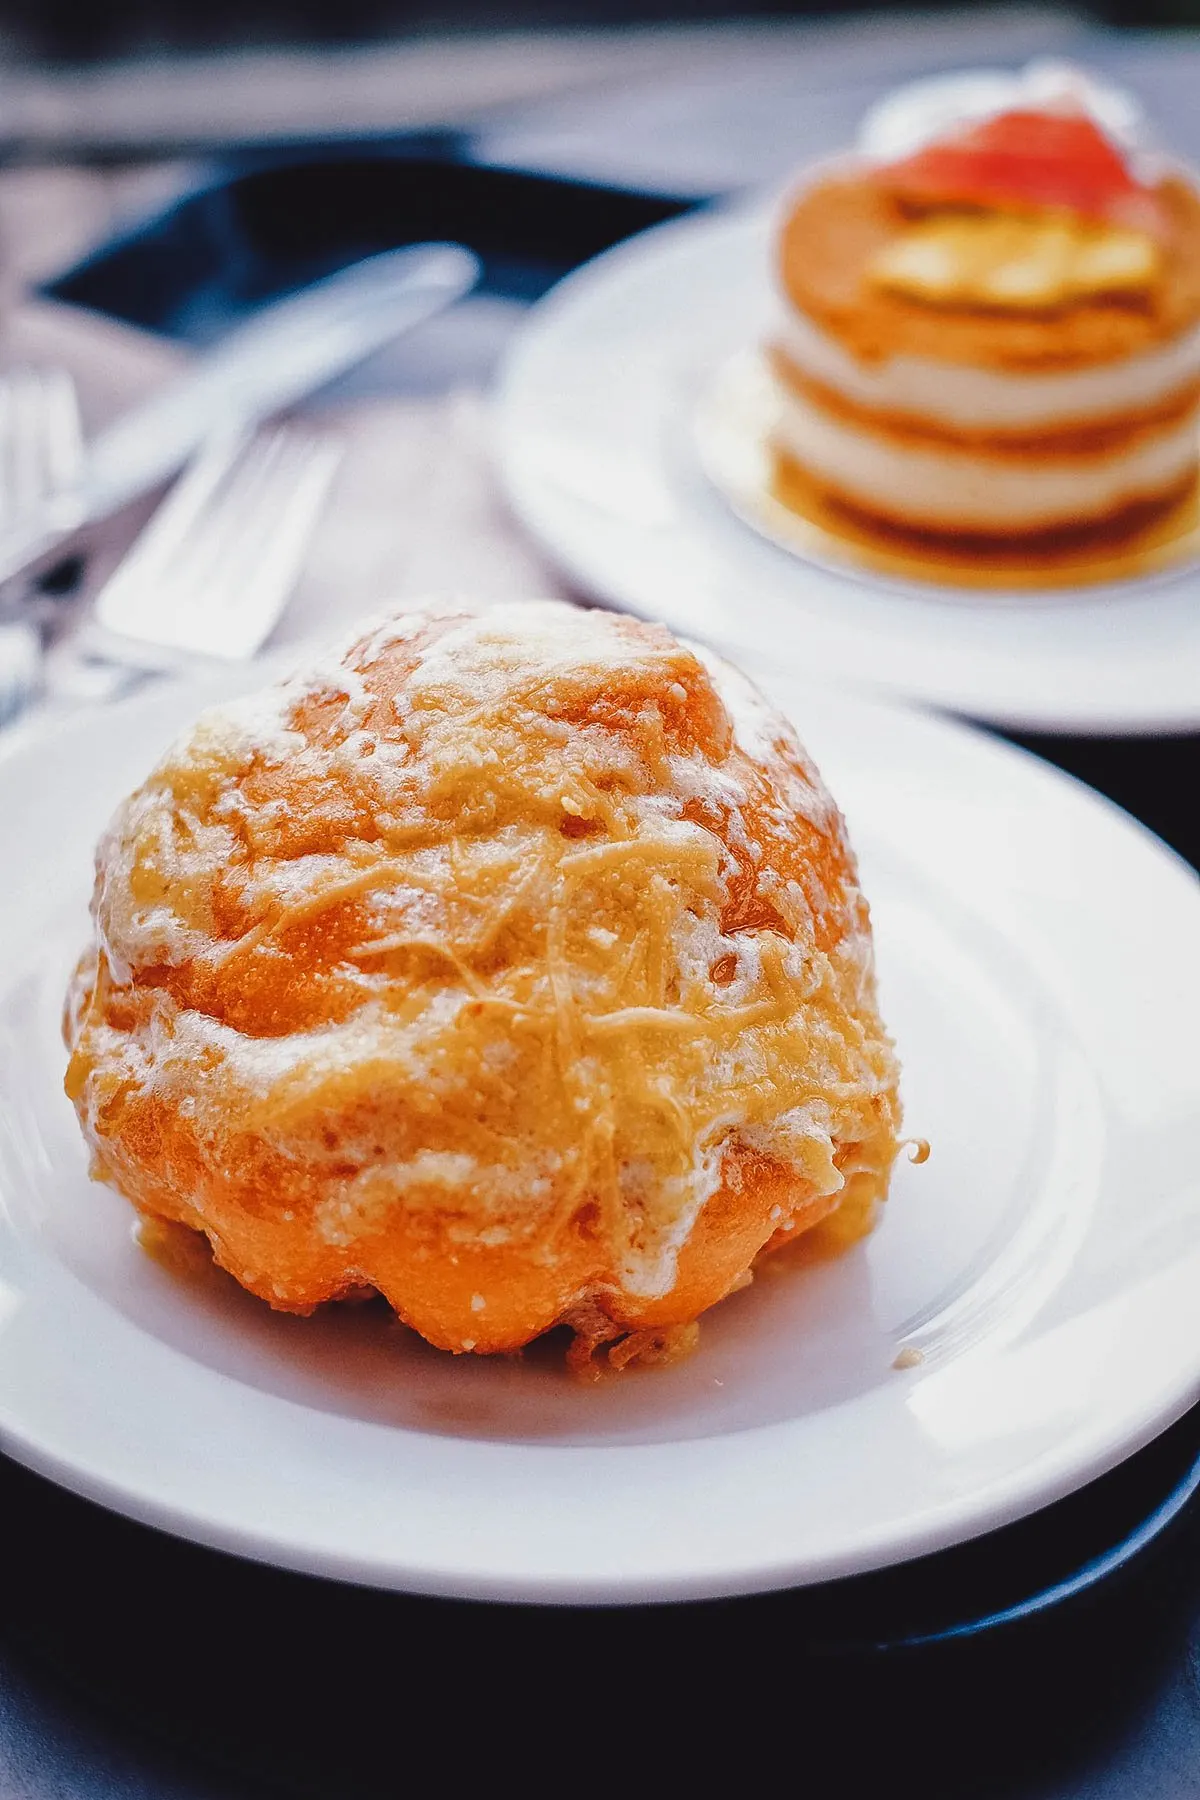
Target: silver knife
{"x": 287, "y": 350}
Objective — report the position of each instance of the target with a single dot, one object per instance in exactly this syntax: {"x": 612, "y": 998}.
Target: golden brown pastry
{"x": 513, "y": 965}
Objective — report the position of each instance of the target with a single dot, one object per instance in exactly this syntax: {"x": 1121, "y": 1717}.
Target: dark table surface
{"x": 132, "y": 1665}
{"x": 135, "y": 1666}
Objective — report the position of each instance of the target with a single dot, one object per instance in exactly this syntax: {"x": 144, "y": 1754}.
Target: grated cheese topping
{"x": 521, "y": 934}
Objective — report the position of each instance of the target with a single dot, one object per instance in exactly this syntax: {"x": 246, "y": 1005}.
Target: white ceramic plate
{"x": 1038, "y": 968}
{"x": 597, "y": 414}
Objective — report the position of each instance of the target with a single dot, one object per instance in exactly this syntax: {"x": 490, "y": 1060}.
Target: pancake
{"x": 1051, "y": 390}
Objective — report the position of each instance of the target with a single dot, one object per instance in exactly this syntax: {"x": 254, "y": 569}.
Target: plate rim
{"x": 533, "y": 505}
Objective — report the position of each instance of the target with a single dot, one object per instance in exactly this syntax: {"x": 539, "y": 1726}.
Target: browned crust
{"x": 797, "y": 487}
{"x": 839, "y": 224}
{"x": 1099, "y": 437}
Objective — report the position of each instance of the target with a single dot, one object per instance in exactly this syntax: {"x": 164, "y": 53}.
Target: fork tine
{"x": 40, "y": 436}
{"x": 280, "y": 555}
{"x": 288, "y": 476}
{"x": 44, "y": 434}
{"x": 7, "y": 435}
{"x": 244, "y": 505}
{"x": 25, "y": 447}
{"x": 63, "y": 440}
{"x": 237, "y": 590}
{"x": 181, "y": 513}
{"x": 210, "y": 574}
{"x": 177, "y": 570}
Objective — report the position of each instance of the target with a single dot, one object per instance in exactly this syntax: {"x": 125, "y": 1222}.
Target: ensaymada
{"x": 510, "y": 963}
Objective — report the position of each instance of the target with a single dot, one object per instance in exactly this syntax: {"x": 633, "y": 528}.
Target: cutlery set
{"x": 210, "y": 574}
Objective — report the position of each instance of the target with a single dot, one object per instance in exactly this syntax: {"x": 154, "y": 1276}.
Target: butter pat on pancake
{"x": 1014, "y": 262}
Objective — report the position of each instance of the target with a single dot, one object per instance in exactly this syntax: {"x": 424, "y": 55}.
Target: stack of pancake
{"x": 994, "y": 340}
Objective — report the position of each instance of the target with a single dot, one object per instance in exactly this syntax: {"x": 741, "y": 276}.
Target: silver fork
{"x": 41, "y": 442}
{"x": 41, "y": 452}
{"x": 211, "y": 573}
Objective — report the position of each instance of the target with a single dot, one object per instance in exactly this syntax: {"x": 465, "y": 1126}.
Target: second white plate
{"x": 597, "y": 418}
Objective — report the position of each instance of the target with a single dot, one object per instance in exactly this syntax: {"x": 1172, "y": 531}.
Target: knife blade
{"x": 284, "y": 352}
